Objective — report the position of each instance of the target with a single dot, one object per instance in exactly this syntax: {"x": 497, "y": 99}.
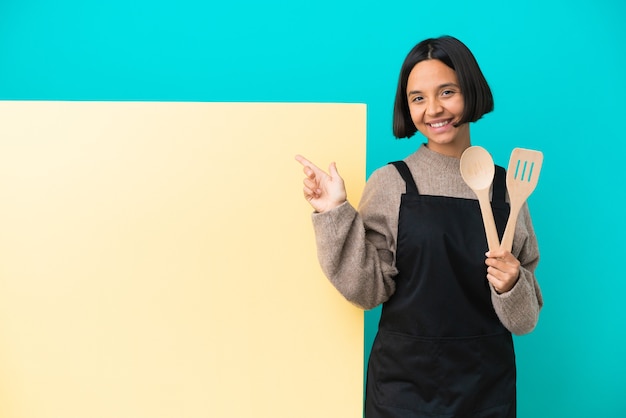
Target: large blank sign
{"x": 158, "y": 260}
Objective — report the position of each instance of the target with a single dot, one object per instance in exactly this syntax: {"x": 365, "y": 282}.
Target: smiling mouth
{"x": 439, "y": 124}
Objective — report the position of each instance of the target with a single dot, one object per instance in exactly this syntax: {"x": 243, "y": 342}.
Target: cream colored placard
{"x": 158, "y": 260}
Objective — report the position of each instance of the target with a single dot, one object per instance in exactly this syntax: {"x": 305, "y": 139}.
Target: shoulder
{"x": 383, "y": 188}
{"x": 386, "y": 181}
{"x": 385, "y": 178}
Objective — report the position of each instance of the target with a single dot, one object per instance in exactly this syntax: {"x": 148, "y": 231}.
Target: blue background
{"x": 556, "y": 69}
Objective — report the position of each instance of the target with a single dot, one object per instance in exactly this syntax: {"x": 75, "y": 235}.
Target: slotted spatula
{"x": 521, "y": 179}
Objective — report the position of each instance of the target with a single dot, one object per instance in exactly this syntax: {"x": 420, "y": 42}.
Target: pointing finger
{"x": 304, "y": 161}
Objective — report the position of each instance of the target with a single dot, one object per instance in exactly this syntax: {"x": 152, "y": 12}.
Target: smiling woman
{"x": 548, "y": 92}
{"x": 416, "y": 245}
{"x": 436, "y": 106}
{"x": 455, "y": 67}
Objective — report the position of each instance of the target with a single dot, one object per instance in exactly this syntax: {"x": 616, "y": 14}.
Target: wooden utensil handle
{"x": 490, "y": 225}
{"x": 509, "y": 231}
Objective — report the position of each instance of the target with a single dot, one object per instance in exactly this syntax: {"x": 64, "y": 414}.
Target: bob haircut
{"x": 477, "y": 96}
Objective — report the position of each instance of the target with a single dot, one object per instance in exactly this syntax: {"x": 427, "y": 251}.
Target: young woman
{"x": 417, "y": 245}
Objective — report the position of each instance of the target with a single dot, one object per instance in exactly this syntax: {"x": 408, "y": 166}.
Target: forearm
{"x": 359, "y": 270}
{"x": 518, "y": 309}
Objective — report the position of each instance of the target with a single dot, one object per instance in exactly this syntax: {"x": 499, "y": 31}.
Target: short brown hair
{"x": 477, "y": 96}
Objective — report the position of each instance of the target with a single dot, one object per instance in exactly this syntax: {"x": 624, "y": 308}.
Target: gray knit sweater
{"x": 357, "y": 249}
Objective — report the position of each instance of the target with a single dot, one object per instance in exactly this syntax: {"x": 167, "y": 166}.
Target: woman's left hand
{"x": 502, "y": 270}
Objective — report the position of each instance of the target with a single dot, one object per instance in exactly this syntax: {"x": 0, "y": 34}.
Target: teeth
{"x": 439, "y": 125}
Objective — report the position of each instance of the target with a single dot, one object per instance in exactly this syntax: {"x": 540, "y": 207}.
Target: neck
{"x": 455, "y": 147}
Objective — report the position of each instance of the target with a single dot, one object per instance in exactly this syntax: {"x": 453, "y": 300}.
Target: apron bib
{"x": 441, "y": 350}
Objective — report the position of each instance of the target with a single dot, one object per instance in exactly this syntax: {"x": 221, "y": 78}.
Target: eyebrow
{"x": 441, "y": 86}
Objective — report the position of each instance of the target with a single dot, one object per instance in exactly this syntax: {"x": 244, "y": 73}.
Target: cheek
{"x": 457, "y": 106}
{"x": 416, "y": 117}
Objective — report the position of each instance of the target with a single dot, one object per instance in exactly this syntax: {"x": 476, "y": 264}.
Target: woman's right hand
{"x": 324, "y": 191}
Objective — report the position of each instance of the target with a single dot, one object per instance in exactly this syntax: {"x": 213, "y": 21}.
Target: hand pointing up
{"x": 324, "y": 191}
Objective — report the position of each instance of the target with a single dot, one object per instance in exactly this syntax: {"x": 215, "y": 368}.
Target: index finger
{"x": 305, "y": 162}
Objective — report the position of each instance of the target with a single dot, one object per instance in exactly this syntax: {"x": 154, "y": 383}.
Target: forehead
{"x": 430, "y": 74}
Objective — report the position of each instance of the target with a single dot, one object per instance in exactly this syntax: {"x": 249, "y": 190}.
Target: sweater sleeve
{"x": 356, "y": 249}
{"x": 518, "y": 309}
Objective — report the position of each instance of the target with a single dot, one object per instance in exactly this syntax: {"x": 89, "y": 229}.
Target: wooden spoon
{"x": 477, "y": 170}
{"x": 521, "y": 179}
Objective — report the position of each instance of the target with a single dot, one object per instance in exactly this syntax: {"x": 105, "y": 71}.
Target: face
{"x": 436, "y": 103}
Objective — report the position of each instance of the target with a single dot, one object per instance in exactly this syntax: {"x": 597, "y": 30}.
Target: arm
{"x": 515, "y": 294}
{"x": 355, "y": 249}
{"x": 354, "y": 255}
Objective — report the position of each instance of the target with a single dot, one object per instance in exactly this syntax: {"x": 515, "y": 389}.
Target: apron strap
{"x": 499, "y": 185}
{"x": 403, "y": 169}
{"x": 499, "y": 180}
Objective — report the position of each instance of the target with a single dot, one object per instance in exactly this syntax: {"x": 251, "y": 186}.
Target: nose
{"x": 434, "y": 107}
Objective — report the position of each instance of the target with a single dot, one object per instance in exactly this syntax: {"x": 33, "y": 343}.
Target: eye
{"x": 417, "y": 99}
{"x": 447, "y": 93}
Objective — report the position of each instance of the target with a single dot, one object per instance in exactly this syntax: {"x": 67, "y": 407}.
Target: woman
{"x": 417, "y": 245}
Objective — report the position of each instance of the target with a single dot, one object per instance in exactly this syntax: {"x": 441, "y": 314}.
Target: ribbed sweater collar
{"x": 435, "y": 160}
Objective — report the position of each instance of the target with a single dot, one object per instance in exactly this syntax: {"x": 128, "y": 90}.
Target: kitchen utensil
{"x": 477, "y": 170}
{"x": 521, "y": 179}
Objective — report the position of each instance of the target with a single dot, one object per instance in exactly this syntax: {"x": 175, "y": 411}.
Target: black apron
{"x": 441, "y": 350}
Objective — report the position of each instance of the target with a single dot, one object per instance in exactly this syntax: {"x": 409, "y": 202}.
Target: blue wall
{"x": 556, "y": 69}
